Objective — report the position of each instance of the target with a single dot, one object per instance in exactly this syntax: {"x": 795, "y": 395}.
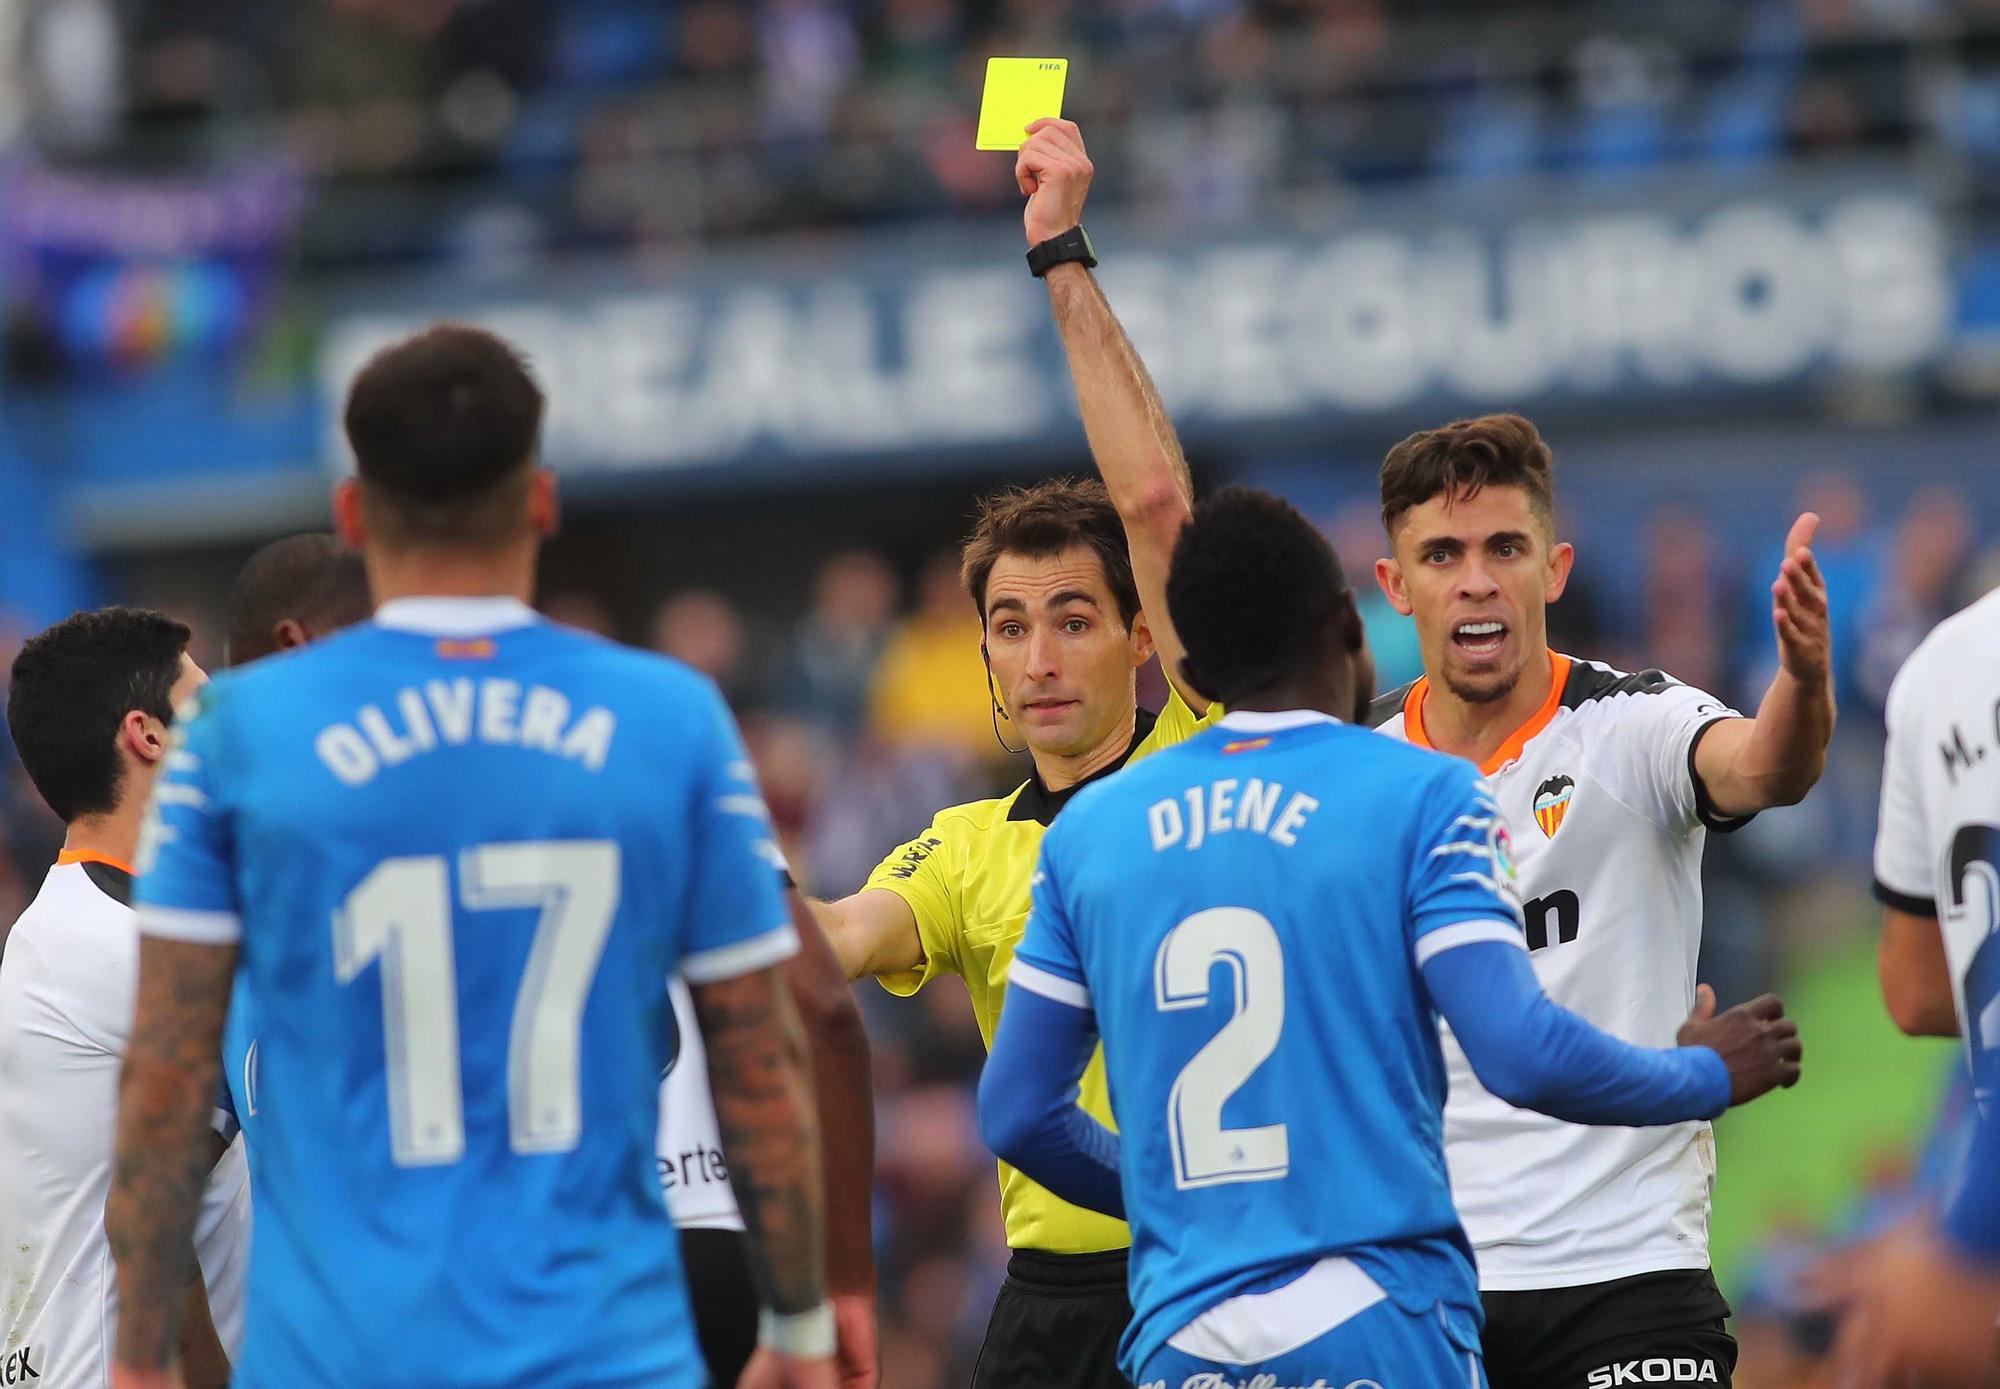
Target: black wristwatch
{"x": 1073, "y": 244}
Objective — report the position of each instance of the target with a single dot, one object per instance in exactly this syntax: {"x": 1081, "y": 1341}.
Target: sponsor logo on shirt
{"x": 1658, "y": 1370}
{"x": 19, "y": 1367}
{"x": 1215, "y": 1379}
{"x": 913, "y": 856}
{"x": 696, "y": 1167}
{"x": 1552, "y": 800}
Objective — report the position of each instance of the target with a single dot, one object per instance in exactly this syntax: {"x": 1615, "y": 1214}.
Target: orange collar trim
{"x": 92, "y": 856}
{"x": 1413, "y": 716}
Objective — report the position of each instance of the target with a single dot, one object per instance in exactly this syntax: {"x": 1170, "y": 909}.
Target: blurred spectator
{"x": 703, "y": 628}
{"x": 1687, "y": 591}
{"x": 580, "y": 609}
{"x": 833, "y": 651}
{"x": 1921, "y": 587}
{"x": 931, "y": 690}
{"x": 1356, "y": 535}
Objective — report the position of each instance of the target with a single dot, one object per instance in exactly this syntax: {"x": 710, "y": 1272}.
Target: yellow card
{"x": 1019, "y": 91}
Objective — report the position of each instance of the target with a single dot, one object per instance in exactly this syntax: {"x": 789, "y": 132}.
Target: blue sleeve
{"x": 1462, "y": 884}
{"x": 1028, "y": 1112}
{"x": 1973, "y": 1220}
{"x": 1535, "y": 1054}
{"x": 186, "y": 888}
{"x": 736, "y": 918}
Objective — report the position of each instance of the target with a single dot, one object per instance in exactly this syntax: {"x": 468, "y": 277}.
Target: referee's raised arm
{"x": 1132, "y": 440}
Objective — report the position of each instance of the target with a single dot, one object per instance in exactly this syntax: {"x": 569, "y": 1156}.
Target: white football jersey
{"x": 1608, "y": 824}
{"x": 1937, "y": 845}
{"x": 68, "y": 982}
{"x": 690, "y": 1141}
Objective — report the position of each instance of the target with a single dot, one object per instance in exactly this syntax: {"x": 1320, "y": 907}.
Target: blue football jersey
{"x": 463, "y": 851}
{"x": 1246, "y": 916}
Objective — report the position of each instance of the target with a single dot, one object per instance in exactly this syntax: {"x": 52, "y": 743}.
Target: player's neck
{"x": 418, "y": 573}
{"x": 114, "y": 836}
{"x": 1477, "y": 730}
{"x": 1332, "y": 698}
{"x": 1059, "y": 772}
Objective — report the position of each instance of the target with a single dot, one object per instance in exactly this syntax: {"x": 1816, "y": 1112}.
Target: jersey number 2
{"x": 401, "y": 914}
{"x": 1206, "y": 1153}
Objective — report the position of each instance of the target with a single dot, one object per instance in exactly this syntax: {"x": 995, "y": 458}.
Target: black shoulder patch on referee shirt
{"x": 1036, "y": 802}
{"x": 1589, "y": 682}
{"x": 1385, "y": 707}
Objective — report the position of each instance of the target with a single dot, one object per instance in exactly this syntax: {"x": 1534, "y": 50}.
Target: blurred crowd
{"x": 478, "y": 132}
{"x": 868, "y": 708}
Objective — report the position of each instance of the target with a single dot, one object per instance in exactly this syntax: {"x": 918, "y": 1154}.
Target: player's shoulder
{"x": 1595, "y": 691}
{"x": 1385, "y": 711}
{"x": 1971, "y": 632}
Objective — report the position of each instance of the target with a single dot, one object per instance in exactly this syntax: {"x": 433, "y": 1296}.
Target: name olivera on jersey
{"x": 1608, "y": 829}
{"x": 1937, "y": 845}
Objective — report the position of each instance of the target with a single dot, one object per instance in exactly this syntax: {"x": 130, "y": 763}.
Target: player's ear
{"x": 1389, "y": 576}
{"x": 544, "y": 506}
{"x": 1561, "y": 558}
{"x": 1142, "y": 640}
{"x": 144, "y": 736}
{"x": 289, "y": 634}
{"x": 347, "y": 519}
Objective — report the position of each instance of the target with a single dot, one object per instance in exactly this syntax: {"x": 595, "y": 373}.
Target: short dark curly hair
{"x": 1256, "y": 594}
{"x": 310, "y": 578}
{"x": 444, "y": 426}
{"x": 72, "y": 687}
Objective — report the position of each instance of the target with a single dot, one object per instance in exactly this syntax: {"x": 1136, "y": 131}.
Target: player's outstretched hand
{"x": 857, "y": 1360}
{"x": 770, "y": 1370}
{"x": 1799, "y": 608}
{"x": 1755, "y": 1040}
{"x": 1054, "y": 174}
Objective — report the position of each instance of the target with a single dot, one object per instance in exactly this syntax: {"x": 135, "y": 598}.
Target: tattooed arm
{"x": 843, "y": 1095}
{"x": 762, "y": 1088}
{"x": 163, "y": 1152}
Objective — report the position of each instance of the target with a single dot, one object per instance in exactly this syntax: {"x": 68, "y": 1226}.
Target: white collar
{"x": 456, "y": 616}
{"x": 1259, "y": 721}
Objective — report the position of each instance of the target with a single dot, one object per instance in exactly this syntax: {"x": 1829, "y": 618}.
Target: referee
{"x": 1069, "y": 580}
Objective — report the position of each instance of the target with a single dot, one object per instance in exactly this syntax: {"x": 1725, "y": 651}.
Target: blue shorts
{"x": 1380, "y": 1346}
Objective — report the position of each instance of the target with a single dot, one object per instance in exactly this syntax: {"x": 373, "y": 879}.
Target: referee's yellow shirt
{"x": 966, "y": 878}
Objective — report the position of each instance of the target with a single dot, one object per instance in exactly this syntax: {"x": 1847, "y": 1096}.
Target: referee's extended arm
{"x": 873, "y": 932}
{"x": 1137, "y": 452}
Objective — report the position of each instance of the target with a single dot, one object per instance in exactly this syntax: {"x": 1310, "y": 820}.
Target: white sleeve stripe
{"x": 1434, "y": 943}
{"x": 741, "y": 957}
{"x": 194, "y": 927}
{"x": 1041, "y": 981}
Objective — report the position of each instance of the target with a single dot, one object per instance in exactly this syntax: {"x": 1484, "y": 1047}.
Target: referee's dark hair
{"x": 293, "y": 591}
{"x": 444, "y": 427}
{"x": 73, "y": 686}
{"x": 1044, "y": 519}
{"x": 1256, "y": 595}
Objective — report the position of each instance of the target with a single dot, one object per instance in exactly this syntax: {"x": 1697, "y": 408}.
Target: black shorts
{"x": 716, "y": 1266}
{"x": 1653, "y": 1328}
{"x": 1056, "y": 1323}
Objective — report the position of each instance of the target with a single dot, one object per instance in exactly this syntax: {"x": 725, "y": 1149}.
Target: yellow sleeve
{"x": 925, "y": 874}
{"x": 1177, "y": 722}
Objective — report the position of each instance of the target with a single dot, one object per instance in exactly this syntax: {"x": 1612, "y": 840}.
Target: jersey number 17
{"x": 401, "y": 914}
